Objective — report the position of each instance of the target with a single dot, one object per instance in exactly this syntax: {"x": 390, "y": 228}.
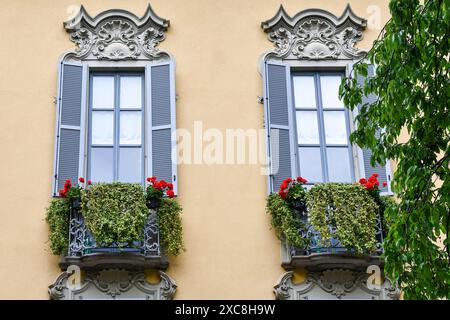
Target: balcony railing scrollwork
{"x": 319, "y": 253}
{"x": 83, "y": 250}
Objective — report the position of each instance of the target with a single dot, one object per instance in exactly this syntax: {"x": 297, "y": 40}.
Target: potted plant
{"x": 73, "y": 193}
{"x": 293, "y": 192}
{"x": 156, "y": 190}
{"x": 372, "y": 186}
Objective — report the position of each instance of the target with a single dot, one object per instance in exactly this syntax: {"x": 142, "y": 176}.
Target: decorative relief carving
{"x": 333, "y": 283}
{"x": 113, "y": 284}
{"x": 315, "y": 34}
{"x": 116, "y": 35}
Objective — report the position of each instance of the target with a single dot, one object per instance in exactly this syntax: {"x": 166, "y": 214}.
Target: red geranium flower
{"x": 384, "y": 184}
{"x": 81, "y": 179}
{"x": 170, "y": 194}
{"x": 302, "y": 180}
{"x": 282, "y": 194}
{"x": 89, "y": 182}
{"x": 362, "y": 181}
{"x": 170, "y": 186}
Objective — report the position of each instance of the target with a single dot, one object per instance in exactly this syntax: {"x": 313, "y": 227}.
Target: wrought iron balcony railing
{"x": 83, "y": 250}
{"x": 319, "y": 252}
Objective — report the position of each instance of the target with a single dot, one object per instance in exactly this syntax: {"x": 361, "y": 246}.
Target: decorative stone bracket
{"x": 112, "y": 284}
{"x": 315, "y": 34}
{"x": 116, "y": 34}
{"x": 333, "y": 284}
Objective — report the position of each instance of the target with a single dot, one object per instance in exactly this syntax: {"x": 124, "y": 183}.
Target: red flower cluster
{"x": 89, "y": 182}
{"x": 67, "y": 186}
{"x": 372, "y": 182}
{"x": 288, "y": 183}
{"x": 162, "y": 185}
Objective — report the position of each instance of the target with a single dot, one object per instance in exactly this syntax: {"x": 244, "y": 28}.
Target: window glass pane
{"x": 103, "y": 92}
{"x": 130, "y": 92}
{"x": 102, "y": 164}
{"x": 130, "y": 165}
{"x": 307, "y": 129}
{"x": 335, "y": 127}
{"x": 130, "y": 127}
{"x": 338, "y": 165}
{"x": 330, "y": 91}
{"x": 102, "y": 127}
{"x": 304, "y": 92}
{"x": 310, "y": 164}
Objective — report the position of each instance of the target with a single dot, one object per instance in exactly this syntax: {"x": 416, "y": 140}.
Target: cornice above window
{"x": 315, "y": 34}
{"x": 117, "y": 34}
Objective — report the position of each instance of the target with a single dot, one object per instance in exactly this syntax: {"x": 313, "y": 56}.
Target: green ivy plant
{"x": 170, "y": 226}
{"x": 58, "y": 222}
{"x": 285, "y": 221}
{"x": 58, "y": 216}
{"x": 115, "y": 212}
{"x": 349, "y": 209}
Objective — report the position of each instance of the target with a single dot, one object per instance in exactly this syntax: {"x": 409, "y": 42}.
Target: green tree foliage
{"x": 412, "y": 85}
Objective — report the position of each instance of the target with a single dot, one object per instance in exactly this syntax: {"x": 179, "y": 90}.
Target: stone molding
{"x": 113, "y": 284}
{"x": 315, "y": 34}
{"x": 117, "y": 35}
{"x": 333, "y": 284}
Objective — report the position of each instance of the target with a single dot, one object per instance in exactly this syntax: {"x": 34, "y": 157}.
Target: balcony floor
{"x": 326, "y": 260}
{"x": 127, "y": 260}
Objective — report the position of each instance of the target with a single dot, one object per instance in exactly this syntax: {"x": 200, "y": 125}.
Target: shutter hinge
{"x": 260, "y": 100}
{"x": 174, "y": 178}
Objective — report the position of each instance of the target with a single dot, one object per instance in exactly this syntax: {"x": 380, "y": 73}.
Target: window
{"x": 322, "y": 127}
{"x": 116, "y": 127}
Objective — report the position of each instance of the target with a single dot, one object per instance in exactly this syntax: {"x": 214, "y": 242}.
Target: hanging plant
{"x": 58, "y": 213}
{"x": 372, "y": 186}
{"x": 115, "y": 213}
{"x": 159, "y": 196}
{"x": 349, "y": 209}
{"x": 286, "y": 209}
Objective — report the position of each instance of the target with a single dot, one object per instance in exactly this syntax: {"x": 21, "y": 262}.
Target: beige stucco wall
{"x": 231, "y": 252}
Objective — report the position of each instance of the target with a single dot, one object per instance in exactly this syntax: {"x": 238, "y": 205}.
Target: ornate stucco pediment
{"x": 315, "y": 34}
{"x": 333, "y": 284}
{"x": 116, "y": 34}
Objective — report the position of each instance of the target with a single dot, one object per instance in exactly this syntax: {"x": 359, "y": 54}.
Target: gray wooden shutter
{"x": 278, "y": 114}
{"x": 384, "y": 174}
{"x": 161, "y": 145}
{"x": 69, "y": 133}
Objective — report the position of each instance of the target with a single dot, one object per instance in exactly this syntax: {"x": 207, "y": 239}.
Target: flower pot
{"x": 153, "y": 203}
{"x": 299, "y": 205}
